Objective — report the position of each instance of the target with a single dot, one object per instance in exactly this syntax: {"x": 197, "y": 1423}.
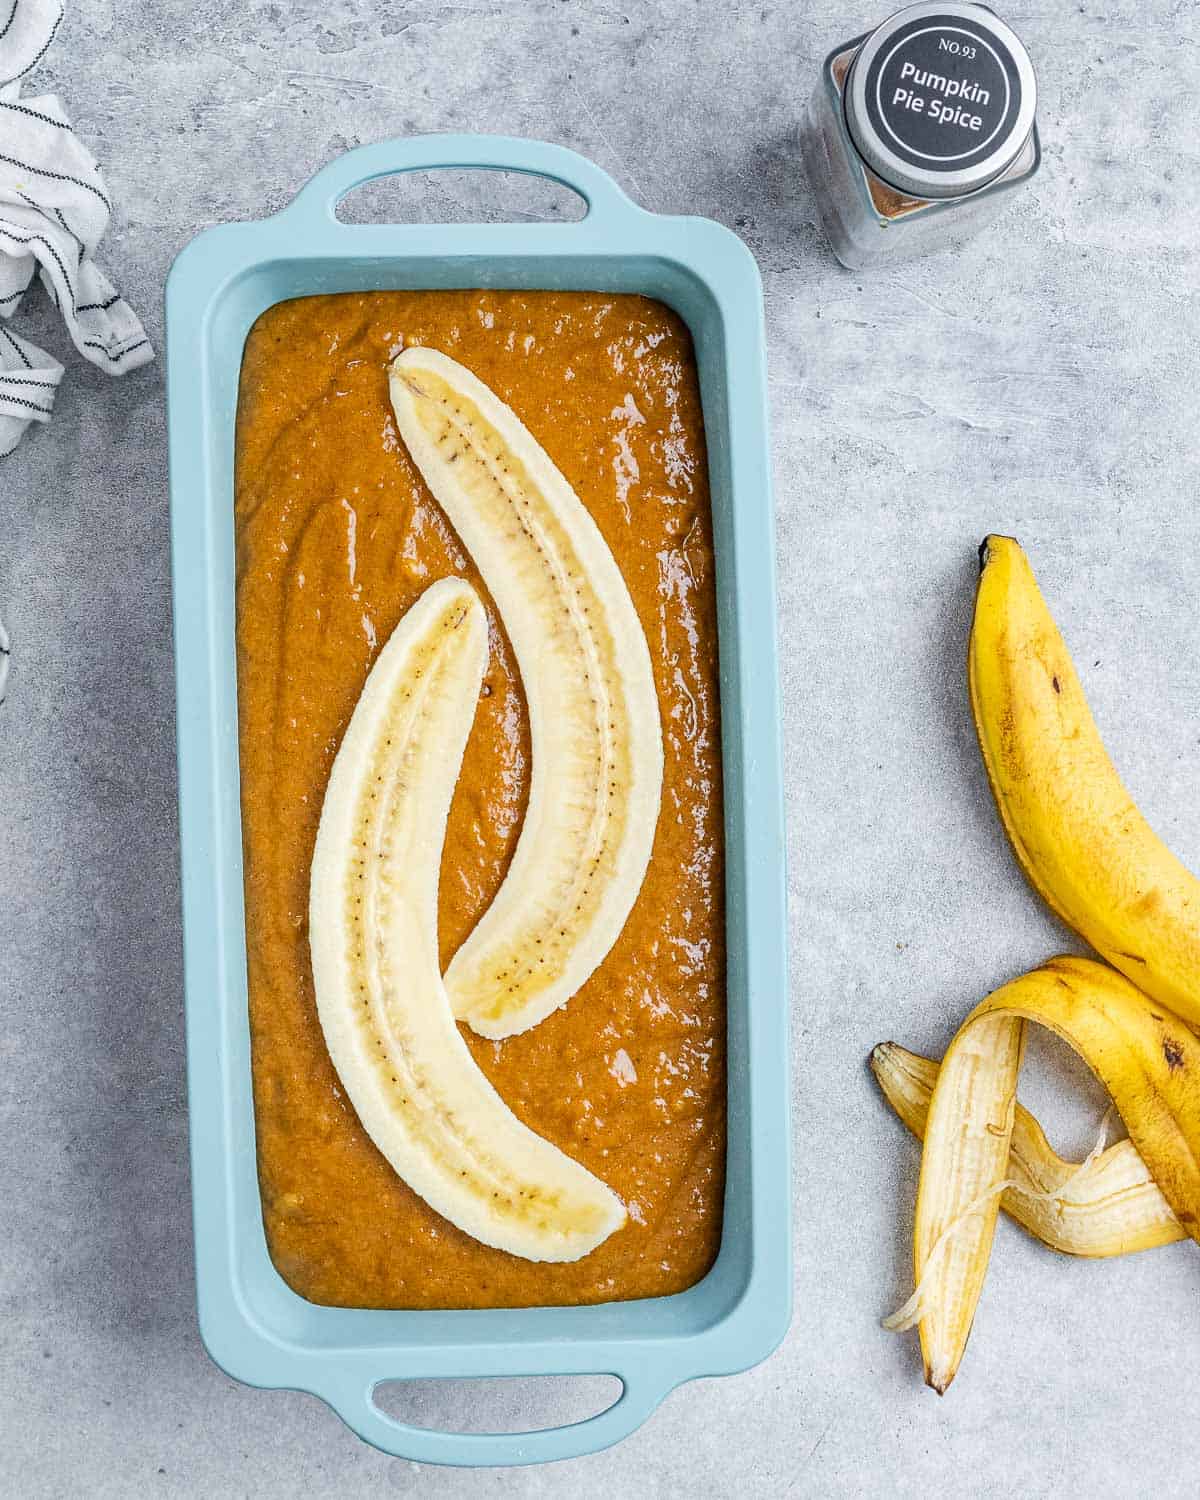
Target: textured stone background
{"x": 1042, "y": 382}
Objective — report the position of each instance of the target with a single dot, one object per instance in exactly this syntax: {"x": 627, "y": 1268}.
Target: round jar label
{"x": 943, "y": 93}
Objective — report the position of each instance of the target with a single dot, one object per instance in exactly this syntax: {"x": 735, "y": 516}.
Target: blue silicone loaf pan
{"x": 255, "y": 1327}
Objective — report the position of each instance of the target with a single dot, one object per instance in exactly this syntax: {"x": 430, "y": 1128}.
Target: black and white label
{"x": 943, "y": 93}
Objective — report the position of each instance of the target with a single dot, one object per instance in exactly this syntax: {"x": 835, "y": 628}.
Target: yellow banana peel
{"x": 963, "y": 1169}
{"x": 1109, "y": 1205}
{"x": 1075, "y": 830}
{"x": 1147, "y": 1059}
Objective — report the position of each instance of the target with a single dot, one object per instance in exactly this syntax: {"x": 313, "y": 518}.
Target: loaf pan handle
{"x": 638, "y": 1399}
{"x": 319, "y": 198}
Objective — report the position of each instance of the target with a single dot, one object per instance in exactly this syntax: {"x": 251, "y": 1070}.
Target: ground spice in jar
{"x": 918, "y": 131}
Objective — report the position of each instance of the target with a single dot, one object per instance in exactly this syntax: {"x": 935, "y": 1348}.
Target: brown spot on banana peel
{"x": 1173, "y": 1053}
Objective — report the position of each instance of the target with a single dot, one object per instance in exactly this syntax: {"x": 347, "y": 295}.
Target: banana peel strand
{"x": 1104, "y": 1207}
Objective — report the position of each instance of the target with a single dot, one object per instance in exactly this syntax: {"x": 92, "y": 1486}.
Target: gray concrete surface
{"x": 1042, "y": 382}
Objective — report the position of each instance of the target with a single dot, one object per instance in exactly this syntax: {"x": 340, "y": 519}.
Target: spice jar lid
{"x": 941, "y": 98}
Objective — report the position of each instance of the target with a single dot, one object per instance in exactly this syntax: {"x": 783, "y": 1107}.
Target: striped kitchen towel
{"x": 53, "y": 211}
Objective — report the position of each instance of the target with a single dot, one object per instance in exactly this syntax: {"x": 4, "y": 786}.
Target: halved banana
{"x": 596, "y": 742}
{"x": 373, "y": 934}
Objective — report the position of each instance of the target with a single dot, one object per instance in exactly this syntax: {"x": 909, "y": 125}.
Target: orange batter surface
{"x": 337, "y": 535}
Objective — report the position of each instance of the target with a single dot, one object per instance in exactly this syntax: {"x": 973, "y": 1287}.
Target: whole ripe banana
{"x": 595, "y": 737}
{"x": 373, "y": 934}
{"x": 1147, "y": 1059}
{"x": 1075, "y": 830}
{"x": 1109, "y": 1205}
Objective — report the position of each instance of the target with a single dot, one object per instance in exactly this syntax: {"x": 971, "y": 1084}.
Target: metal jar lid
{"x": 941, "y": 98}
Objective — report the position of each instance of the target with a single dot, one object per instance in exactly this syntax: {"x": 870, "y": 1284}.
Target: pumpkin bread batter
{"x": 336, "y": 537}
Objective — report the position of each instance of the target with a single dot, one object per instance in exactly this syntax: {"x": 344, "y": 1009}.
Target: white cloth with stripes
{"x": 54, "y": 210}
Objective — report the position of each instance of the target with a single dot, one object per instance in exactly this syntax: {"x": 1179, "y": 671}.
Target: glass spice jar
{"x": 918, "y": 131}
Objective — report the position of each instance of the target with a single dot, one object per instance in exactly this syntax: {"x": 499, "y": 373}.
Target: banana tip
{"x": 938, "y": 1381}
{"x": 990, "y": 542}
